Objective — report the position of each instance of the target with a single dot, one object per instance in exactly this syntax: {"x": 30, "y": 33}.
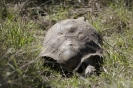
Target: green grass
{"x": 18, "y": 47}
{"x": 21, "y": 42}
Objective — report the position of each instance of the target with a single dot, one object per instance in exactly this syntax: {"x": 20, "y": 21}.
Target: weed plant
{"x": 21, "y": 42}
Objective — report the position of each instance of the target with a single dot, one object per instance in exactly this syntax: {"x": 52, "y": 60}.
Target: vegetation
{"x": 22, "y": 28}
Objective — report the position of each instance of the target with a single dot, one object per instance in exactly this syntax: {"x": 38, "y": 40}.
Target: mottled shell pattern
{"x": 73, "y": 43}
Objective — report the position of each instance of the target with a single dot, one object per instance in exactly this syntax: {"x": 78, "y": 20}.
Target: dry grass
{"x": 23, "y": 27}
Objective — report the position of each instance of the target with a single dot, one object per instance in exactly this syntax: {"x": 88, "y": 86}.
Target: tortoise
{"x": 74, "y": 45}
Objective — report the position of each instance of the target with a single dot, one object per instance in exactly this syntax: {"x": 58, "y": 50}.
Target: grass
{"x": 21, "y": 42}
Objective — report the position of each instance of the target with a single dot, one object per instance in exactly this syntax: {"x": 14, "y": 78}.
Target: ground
{"x": 22, "y": 29}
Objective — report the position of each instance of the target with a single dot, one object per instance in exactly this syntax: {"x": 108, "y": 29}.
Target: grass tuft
{"x": 22, "y": 36}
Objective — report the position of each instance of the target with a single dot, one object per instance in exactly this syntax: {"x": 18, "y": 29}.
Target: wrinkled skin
{"x": 73, "y": 44}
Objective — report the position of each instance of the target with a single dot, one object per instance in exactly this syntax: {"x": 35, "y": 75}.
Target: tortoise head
{"x": 69, "y": 41}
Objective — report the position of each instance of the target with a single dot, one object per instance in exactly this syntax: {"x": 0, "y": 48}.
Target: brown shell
{"x": 71, "y": 42}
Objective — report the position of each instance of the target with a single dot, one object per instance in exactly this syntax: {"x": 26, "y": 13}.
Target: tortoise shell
{"x": 74, "y": 44}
